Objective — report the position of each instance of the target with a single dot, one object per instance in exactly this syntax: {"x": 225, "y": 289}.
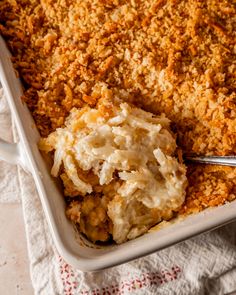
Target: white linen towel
{"x": 202, "y": 265}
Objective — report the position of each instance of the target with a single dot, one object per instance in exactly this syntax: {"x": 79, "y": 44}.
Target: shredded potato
{"x": 127, "y": 149}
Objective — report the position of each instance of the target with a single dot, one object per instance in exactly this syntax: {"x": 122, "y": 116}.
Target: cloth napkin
{"x": 9, "y": 174}
{"x": 202, "y": 265}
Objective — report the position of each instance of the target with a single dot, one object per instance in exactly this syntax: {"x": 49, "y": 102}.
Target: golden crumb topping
{"x": 166, "y": 56}
{"x": 176, "y": 57}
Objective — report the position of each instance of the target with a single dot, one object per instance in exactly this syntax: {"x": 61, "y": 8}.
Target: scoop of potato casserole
{"x": 119, "y": 161}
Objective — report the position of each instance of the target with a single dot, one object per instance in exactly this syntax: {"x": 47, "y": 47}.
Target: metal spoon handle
{"x": 213, "y": 160}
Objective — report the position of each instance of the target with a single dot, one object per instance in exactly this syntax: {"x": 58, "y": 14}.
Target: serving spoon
{"x": 213, "y": 160}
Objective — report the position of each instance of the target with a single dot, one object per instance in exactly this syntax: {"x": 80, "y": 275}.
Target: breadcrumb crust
{"x": 171, "y": 56}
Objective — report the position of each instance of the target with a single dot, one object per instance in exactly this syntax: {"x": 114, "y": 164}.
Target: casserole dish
{"x": 71, "y": 245}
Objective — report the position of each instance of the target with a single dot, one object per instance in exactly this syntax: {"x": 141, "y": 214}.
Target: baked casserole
{"x": 167, "y": 57}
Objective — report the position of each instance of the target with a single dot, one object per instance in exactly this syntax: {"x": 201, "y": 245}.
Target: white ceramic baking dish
{"x": 73, "y": 247}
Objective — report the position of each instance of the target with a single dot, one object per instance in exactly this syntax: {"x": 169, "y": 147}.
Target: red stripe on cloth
{"x": 71, "y": 284}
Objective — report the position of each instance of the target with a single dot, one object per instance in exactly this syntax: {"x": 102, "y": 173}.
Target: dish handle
{"x": 13, "y": 153}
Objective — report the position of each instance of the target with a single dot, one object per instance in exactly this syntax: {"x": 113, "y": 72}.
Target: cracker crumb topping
{"x": 173, "y": 57}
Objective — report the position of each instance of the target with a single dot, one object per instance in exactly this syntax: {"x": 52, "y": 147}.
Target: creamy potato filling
{"x": 120, "y": 161}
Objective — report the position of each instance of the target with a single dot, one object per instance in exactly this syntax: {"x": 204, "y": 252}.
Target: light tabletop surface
{"x": 14, "y": 264}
